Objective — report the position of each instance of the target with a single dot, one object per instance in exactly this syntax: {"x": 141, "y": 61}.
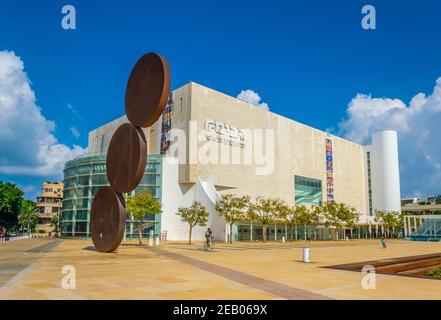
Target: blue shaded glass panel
{"x": 307, "y": 190}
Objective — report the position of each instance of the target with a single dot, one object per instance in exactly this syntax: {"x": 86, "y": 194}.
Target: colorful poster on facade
{"x": 329, "y": 170}
{"x": 166, "y": 125}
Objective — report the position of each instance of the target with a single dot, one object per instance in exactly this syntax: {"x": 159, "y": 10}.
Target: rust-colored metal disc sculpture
{"x": 107, "y": 219}
{"x": 147, "y": 90}
{"x": 126, "y": 158}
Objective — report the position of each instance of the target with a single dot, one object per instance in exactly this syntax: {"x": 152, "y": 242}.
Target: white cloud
{"x": 418, "y": 125}
{"x": 75, "y": 132}
{"x": 27, "y": 144}
{"x": 74, "y": 111}
{"x": 252, "y": 97}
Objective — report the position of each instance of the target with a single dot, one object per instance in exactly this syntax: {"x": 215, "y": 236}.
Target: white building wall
{"x": 207, "y": 195}
{"x": 175, "y": 195}
{"x": 385, "y": 172}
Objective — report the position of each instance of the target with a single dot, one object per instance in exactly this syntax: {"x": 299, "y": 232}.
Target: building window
{"x": 81, "y": 228}
{"x": 66, "y": 215}
{"x": 307, "y": 190}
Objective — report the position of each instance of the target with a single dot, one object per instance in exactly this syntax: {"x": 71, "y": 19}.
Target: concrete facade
{"x": 220, "y": 144}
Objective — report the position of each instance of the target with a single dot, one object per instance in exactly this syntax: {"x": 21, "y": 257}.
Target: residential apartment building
{"x": 49, "y": 204}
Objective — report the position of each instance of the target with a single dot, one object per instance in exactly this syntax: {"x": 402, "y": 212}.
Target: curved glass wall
{"x": 83, "y": 177}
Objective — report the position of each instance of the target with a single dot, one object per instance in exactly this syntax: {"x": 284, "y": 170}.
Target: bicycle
{"x": 209, "y": 244}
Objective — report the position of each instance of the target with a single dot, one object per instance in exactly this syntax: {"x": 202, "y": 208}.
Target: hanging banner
{"x": 329, "y": 170}
{"x": 166, "y": 125}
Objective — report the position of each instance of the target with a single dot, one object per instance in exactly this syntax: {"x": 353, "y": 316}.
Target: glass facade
{"x": 273, "y": 231}
{"x": 83, "y": 177}
{"x": 254, "y": 232}
{"x": 307, "y": 190}
{"x": 429, "y": 230}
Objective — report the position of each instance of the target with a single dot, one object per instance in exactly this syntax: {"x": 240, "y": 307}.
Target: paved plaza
{"x": 32, "y": 269}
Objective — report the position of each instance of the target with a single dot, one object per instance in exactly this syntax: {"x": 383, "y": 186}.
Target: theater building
{"x": 207, "y": 144}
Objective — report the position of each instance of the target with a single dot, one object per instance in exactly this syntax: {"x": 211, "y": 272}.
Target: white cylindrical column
{"x": 405, "y": 226}
{"x": 306, "y": 255}
{"x": 385, "y": 171}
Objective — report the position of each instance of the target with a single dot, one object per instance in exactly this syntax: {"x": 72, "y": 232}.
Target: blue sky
{"x": 306, "y": 59}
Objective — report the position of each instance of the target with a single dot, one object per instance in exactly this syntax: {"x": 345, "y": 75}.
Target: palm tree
{"x": 28, "y": 215}
{"x": 55, "y": 223}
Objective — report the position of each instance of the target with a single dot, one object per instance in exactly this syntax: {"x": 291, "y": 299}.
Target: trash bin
{"x": 283, "y": 239}
{"x": 306, "y": 255}
{"x": 157, "y": 241}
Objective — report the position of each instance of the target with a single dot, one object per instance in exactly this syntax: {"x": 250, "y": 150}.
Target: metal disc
{"x": 107, "y": 220}
{"x": 126, "y": 158}
{"x": 147, "y": 90}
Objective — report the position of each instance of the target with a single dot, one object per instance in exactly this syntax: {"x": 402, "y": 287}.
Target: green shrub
{"x": 435, "y": 272}
{"x": 41, "y": 231}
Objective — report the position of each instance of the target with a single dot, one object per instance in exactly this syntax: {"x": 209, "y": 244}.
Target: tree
{"x": 349, "y": 216}
{"x": 195, "y": 215}
{"x": 304, "y": 217}
{"x": 289, "y": 215}
{"x": 316, "y": 218}
{"x": 138, "y": 206}
{"x": 398, "y": 221}
{"x": 265, "y": 211}
{"x": 388, "y": 219}
{"x": 332, "y": 217}
{"x": 28, "y": 215}
{"x": 381, "y": 218}
{"x": 338, "y": 215}
{"x": 55, "y": 222}
{"x": 10, "y": 205}
{"x": 232, "y": 209}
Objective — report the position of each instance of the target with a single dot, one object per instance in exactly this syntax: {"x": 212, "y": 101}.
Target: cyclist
{"x": 383, "y": 243}
{"x": 208, "y": 238}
